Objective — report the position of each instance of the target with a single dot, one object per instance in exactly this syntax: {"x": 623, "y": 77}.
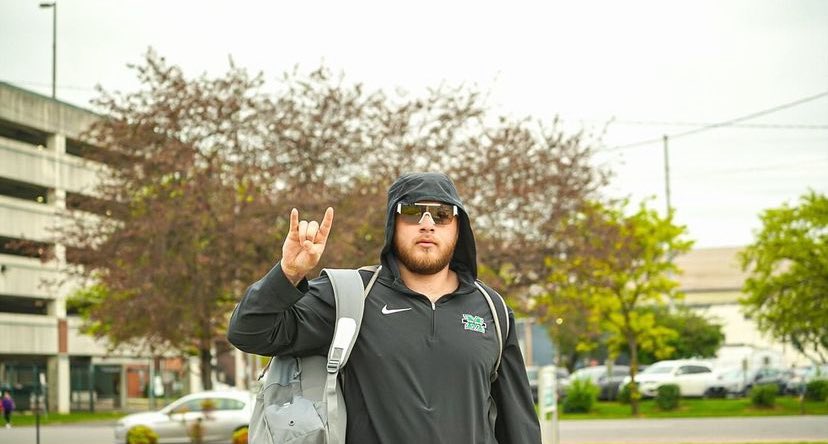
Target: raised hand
{"x": 304, "y": 244}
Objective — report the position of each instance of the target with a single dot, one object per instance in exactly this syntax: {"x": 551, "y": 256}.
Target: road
{"x": 696, "y": 430}
{"x": 641, "y": 431}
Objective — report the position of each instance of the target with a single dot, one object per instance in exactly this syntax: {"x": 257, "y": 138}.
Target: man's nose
{"x": 426, "y": 222}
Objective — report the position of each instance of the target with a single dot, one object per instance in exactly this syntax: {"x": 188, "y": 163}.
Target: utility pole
{"x": 53, "y": 6}
{"x": 667, "y": 175}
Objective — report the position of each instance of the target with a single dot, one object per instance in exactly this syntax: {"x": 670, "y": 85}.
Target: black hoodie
{"x": 414, "y": 376}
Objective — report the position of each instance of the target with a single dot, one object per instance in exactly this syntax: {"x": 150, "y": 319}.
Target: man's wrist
{"x": 293, "y": 276}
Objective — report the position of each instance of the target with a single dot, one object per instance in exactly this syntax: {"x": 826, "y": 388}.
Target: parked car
{"x": 769, "y": 375}
{"x": 694, "y": 378}
{"x": 730, "y": 381}
{"x": 733, "y": 381}
{"x": 220, "y": 414}
{"x": 561, "y": 379}
{"x": 607, "y": 383}
{"x": 800, "y": 376}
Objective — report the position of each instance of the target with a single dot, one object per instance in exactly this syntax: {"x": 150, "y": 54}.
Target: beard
{"x": 420, "y": 261}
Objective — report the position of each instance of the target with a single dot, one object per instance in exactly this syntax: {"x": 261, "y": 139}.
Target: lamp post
{"x": 53, "y": 6}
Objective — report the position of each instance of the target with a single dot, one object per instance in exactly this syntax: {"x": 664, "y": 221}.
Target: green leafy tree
{"x": 697, "y": 337}
{"x": 620, "y": 266}
{"x": 788, "y": 275}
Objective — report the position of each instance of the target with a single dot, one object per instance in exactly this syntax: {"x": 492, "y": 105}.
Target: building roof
{"x": 711, "y": 269}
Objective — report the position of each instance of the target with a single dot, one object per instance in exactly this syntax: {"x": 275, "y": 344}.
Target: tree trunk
{"x": 206, "y": 368}
{"x": 634, "y": 393}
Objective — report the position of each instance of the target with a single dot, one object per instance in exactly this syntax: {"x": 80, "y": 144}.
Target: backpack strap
{"x": 501, "y": 337}
{"x": 349, "y": 296}
{"x": 358, "y": 316}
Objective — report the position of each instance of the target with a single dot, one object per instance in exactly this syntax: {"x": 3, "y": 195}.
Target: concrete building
{"x": 41, "y": 164}
{"x": 712, "y": 281}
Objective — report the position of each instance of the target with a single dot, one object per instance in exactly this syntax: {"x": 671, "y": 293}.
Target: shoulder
{"x": 497, "y": 298}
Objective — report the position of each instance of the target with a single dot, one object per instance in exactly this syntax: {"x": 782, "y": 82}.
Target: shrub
{"x": 625, "y": 393}
{"x": 764, "y": 395}
{"x": 240, "y": 436}
{"x": 668, "y": 397}
{"x": 817, "y": 390}
{"x": 580, "y": 397}
{"x": 141, "y": 435}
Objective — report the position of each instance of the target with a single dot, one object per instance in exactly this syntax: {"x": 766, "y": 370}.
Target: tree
{"x": 620, "y": 266}
{"x": 697, "y": 337}
{"x": 200, "y": 176}
{"x": 788, "y": 275}
{"x": 179, "y": 213}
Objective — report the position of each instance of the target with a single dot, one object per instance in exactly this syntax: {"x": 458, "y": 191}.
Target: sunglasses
{"x": 441, "y": 214}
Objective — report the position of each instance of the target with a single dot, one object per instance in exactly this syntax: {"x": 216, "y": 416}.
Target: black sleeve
{"x": 516, "y": 421}
{"x": 274, "y": 317}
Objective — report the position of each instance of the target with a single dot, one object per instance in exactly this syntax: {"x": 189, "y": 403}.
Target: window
{"x": 22, "y": 134}
{"x": 229, "y": 404}
{"x": 193, "y": 405}
{"x": 26, "y": 248}
{"x": 23, "y": 190}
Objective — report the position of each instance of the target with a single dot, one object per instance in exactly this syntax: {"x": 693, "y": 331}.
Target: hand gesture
{"x": 304, "y": 244}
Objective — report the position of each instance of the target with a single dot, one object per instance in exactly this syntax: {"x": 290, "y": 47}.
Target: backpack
{"x": 300, "y": 401}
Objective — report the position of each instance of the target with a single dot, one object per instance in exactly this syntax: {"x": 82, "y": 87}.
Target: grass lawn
{"x": 700, "y": 408}
{"x": 28, "y": 419}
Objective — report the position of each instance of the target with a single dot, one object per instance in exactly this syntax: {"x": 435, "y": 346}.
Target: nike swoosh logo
{"x": 386, "y": 311}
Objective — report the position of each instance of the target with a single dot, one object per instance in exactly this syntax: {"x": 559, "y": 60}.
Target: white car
{"x": 730, "y": 381}
{"x": 220, "y": 414}
{"x": 693, "y": 377}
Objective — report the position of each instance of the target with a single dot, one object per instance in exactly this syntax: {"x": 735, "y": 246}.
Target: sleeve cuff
{"x": 280, "y": 290}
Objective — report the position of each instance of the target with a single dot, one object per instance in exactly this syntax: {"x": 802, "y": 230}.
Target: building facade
{"x": 41, "y": 165}
{"x": 712, "y": 281}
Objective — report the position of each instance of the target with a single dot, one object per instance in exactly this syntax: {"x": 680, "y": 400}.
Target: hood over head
{"x": 420, "y": 187}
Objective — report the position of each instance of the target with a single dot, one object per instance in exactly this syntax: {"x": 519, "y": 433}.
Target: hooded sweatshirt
{"x": 418, "y": 372}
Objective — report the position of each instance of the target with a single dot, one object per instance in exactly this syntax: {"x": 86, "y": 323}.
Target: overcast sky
{"x": 653, "y": 68}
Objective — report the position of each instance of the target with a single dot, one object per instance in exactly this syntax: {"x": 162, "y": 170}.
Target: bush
{"x": 764, "y": 395}
{"x": 624, "y": 394}
{"x": 668, "y": 397}
{"x": 141, "y": 435}
{"x": 817, "y": 390}
{"x": 580, "y": 397}
{"x": 240, "y": 436}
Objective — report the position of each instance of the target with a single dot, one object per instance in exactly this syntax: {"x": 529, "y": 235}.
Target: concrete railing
{"x": 28, "y": 334}
{"x": 40, "y": 166}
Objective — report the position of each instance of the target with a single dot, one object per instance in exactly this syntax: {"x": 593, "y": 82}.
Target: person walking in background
{"x": 426, "y": 366}
{"x": 8, "y": 408}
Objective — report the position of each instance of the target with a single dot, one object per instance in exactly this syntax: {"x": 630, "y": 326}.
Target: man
{"x": 421, "y": 369}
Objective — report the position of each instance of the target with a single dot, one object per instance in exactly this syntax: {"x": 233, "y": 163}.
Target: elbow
{"x": 238, "y": 340}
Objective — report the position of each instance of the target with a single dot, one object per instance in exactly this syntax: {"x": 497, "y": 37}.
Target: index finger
{"x": 325, "y": 226}
{"x": 294, "y": 222}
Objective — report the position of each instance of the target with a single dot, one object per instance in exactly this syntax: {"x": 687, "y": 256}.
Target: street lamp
{"x": 53, "y": 5}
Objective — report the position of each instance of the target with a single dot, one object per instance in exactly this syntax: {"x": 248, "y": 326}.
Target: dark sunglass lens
{"x": 443, "y": 214}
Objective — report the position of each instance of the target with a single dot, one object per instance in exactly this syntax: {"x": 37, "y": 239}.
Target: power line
{"x": 757, "y": 169}
{"x": 744, "y": 125}
{"x": 721, "y": 124}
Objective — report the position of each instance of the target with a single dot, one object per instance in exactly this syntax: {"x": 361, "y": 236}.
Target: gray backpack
{"x": 300, "y": 401}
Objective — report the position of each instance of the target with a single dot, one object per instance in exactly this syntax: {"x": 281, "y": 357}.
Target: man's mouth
{"x": 426, "y": 244}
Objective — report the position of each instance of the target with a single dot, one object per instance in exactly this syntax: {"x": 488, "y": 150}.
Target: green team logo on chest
{"x": 474, "y": 323}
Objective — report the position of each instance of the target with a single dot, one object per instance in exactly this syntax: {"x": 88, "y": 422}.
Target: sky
{"x": 640, "y": 69}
